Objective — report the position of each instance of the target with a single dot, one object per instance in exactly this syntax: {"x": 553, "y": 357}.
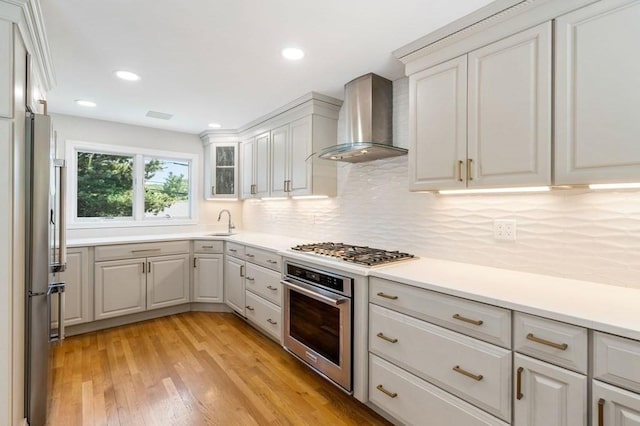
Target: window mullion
{"x": 138, "y": 188}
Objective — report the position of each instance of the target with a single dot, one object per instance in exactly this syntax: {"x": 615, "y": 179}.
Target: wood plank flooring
{"x": 191, "y": 369}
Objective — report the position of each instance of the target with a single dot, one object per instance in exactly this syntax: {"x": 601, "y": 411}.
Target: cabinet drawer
{"x": 552, "y": 341}
{"x": 234, "y": 249}
{"x": 208, "y": 247}
{"x": 475, "y": 371}
{"x": 618, "y": 406}
{"x": 265, "y": 258}
{"x": 409, "y": 399}
{"x": 264, "y": 282}
{"x": 617, "y": 360}
{"x": 486, "y": 322}
{"x": 264, "y": 314}
{"x": 128, "y": 251}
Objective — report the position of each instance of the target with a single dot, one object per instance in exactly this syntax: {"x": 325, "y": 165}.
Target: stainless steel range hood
{"x": 368, "y": 103}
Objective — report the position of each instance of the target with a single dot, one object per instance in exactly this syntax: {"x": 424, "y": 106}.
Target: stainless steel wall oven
{"x": 318, "y": 318}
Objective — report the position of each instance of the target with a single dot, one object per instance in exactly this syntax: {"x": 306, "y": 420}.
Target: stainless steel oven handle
{"x": 312, "y": 294}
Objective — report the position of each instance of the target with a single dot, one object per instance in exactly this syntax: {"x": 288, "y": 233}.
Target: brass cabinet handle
{"x": 561, "y": 346}
{"x": 460, "y": 163}
{"x": 249, "y": 278}
{"x": 207, "y": 247}
{"x": 469, "y": 320}
{"x": 469, "y": 169}
{"x": 195, "y": 259}
{"x": 232, "y": 250}
{"x": 213, "y": 190}
{"x": 249, "y": 307}
{"x": 273, "y": 262}
{"x": 149, "y": 267}
{"x": 143, "y": 250}
{"x": 388, "y": 339}
{"x": 270, "y": 321}
{"x": 270, "y": 287}
{"x": 387, "y": 296}
{"x": 242, "y": 271}
{"x": 519, "y": 383}
{"x": 249, "y": 255}
{"x": 386, "y": 392}
{"x": 464, "y": 372}
{"x": 601, "y": 402}
{"x": 143, "y": 268}
{"x": 253, "y": 189}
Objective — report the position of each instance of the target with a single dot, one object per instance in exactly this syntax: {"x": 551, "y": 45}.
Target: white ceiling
{"x": 219, "y": 60}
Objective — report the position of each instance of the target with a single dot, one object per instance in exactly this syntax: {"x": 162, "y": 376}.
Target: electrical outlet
{"x": 504, "y": 229}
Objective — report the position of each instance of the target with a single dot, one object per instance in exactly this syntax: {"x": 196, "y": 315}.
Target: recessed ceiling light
{"x": 215, "y": 125}
{"x": 127, "y": 75}
{"x": 84, "y": 103}
{"x": 292, "y": 53}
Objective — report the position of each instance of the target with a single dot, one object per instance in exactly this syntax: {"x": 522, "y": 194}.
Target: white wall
{"x": 576, "y": 233}
{"x": 91, "y": 130}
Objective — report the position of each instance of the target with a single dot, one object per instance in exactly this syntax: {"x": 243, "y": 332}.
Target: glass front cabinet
{"x": 221, "y": 170}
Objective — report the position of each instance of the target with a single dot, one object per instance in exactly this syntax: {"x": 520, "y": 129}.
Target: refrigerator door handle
{"x": 56, "y": 288}
{"x": 61, "y": 264}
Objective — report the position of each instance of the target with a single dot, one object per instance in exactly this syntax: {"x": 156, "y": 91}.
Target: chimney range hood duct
{"x": 368, "y": 103}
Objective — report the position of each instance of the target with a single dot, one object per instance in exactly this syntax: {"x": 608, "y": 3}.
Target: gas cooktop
{"x": 361, "y": 255}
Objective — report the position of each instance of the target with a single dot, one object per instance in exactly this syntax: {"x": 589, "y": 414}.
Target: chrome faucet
{"x": 231, "y": 225}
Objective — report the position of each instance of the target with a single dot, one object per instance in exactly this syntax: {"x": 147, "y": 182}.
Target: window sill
{"x": 131, "y": 224}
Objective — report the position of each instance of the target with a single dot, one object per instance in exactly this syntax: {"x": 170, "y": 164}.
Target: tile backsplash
{"x": 579, "y": 234}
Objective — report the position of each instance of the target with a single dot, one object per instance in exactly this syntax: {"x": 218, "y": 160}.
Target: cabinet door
{"x": 612, "y": 406}
{"x": 248, "y": 167}
{"x": 6, "y": 69}
{"x": 549, "y": 395}
{"x": 509, "y": 133}
{"x": 77, "y": 307}
{"x": 234, "y": 293}
{"x": 261, "y": 177}
{"x": 300, "y": 171}
{"x": 279, "y": 160}
{"x": 438, "y": 126}
{"x": 222, "y": 171}
{"x": 207, "y": 278}
{"x": 120, "y": 288}
{"x": 597, "y": 94}
{"x": 167, "y": 281}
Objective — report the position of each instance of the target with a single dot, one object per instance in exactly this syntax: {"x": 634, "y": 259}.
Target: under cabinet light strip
{"x": 635, "y": 185}
{"x": 309, "y": 197}
{"x": 495, "y": 190}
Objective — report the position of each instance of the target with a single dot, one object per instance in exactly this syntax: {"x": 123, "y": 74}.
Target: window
{"x": 119, "y": 185}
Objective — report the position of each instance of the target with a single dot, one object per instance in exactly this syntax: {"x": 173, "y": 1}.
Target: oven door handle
{"x": 302, "y": 288}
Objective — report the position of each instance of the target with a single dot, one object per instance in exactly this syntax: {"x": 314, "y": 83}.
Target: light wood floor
{"x": 191, "y": 369}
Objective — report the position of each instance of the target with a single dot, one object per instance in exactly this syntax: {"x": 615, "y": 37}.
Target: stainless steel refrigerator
{"x": 45, "y": 260}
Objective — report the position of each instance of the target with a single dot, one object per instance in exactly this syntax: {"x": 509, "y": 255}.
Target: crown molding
{"x": 27, "y": 15}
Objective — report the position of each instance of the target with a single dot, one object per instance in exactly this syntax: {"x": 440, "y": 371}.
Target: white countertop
{"x": 601, "y": 307}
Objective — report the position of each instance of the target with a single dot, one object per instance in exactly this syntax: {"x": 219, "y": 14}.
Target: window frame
{"x": 72, "y": 147}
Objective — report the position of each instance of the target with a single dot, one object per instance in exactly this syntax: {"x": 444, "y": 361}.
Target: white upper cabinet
{"x": 6, "y": 69}
{"x": 261, "y": 166}
{"x": 509, "y": 127}
{"x": 279, "y": 161}
{"x": 247, "y": 165}
{"x": 438, "y": 126}
{"x": 484, "y": 119}
{"x": 597, "y": 94}
{"x": 300, "y": 172}
{"x": 221, "y": 170}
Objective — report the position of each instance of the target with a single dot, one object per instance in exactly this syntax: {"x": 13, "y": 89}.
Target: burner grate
{"x": 362, "y": 255}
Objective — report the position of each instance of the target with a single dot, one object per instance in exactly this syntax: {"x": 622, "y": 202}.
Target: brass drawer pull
{"x": 249, "y": 255}
{"x": 270, "y": 321}
{"x": 249, "y": 278}
{"x": 207, "y": 247}
{"x": 464, "y": 372}
{"x": 388, "y": 339}
{"x": 561, "y": 346}
{"x": 601, "y": 412}
{"x": 469, "y": 320}
{"x": 143, "y": 250}
{"x": 273, "y": 262}
{"x": 519, "y": 384}
{"x": 270, "y": 287}
{"x": 387, "y": 296}
{"x": 232, "y": 250}
{"x": 460, "y": 163}
{"x": 251, "y": 308}
{"x": 469, "y": 169}
{"x": 386, "y": 392}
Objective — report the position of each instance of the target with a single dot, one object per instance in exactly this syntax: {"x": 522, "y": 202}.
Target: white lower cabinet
{"x": 264, "y": 314}
{"x": 120, "y": 288}
{"x": 76, "y": 290}
{"x": 234, "y": 284}
{"x": 416, "y": 402}
{"x": 612, "y": 406}
{"x": 167, "y": 281}
{"x": 208, "y": 278}
{"x": 546, "y": 395}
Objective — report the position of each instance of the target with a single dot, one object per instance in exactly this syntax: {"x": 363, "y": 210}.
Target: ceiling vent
{"x": 159, "y": 115}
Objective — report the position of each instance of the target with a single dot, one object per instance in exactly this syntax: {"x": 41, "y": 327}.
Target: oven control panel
{"x": 319, "y": 278}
